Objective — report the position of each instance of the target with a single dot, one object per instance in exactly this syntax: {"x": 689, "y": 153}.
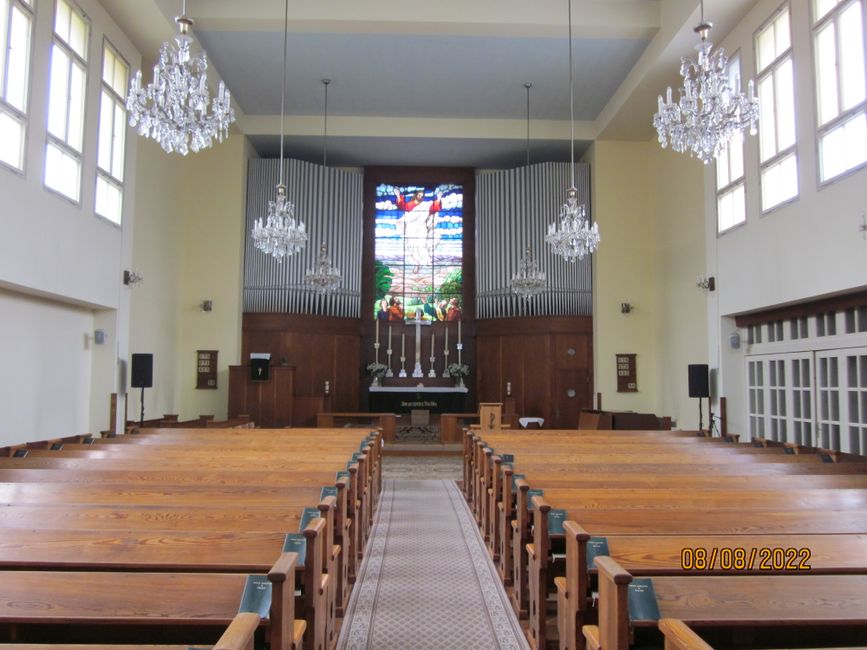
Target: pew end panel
{"x": 282, "y": 613}
{"x": 679, "y": 636}
{"x": 614, "y": 632}
{"x": 573, "y": 590}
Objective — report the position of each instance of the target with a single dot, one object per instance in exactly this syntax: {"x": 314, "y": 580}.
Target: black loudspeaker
{"x": 698, "y": 384}
{"x": 260, "y": 369}
{"x": 142, "y": 371}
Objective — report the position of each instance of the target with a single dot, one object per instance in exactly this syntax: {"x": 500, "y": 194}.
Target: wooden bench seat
{"x": 90, "y": 602}
{"x": 240, "y": 635}
{"x": 229, "y": 523}
{"x": 660, "y": 555}
{"x": 789, "y": 601}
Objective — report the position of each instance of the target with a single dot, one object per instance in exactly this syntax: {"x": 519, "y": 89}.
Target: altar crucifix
{"x": 417, "y": 371}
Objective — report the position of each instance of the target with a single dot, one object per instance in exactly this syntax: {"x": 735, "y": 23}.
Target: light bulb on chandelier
{"x": 572, "y": 237}
{"x": 174, "y": 108}
{"x": 709, "y": 112}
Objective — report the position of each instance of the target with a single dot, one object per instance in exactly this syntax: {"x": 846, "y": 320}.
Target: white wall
{"x": 62, "y": 251}
{"x": 808, "y": 248}
{"x": 46, "y": 370}
{"x": 624, "y": 270}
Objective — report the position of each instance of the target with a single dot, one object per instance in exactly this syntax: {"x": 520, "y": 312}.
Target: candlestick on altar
{"x": 388, "y": 371}
{"x": 460, "y": 347}
{"x": 377, "y": 330}
{"x": 376, "y": 347}
{"x": 432, "y": 372}
{"x": 417, "y": 371}
{"x": 459, "y": 332}
{"x": 402, "y": 355}
{"x": 446, "y": 354}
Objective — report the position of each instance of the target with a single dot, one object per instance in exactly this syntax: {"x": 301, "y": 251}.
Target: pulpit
{"x": 269, "y": 403}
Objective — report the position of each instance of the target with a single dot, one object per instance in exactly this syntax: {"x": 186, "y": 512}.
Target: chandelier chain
{"x": 283, "y": 85}
{"x": 325, "y": 82}
{"x": 571, "y": 103}
{"x": 528, "y": 85}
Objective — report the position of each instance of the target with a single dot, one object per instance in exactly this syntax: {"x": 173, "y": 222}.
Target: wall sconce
{"x": 626, "y": 307}
{"x": 99, "y": 337}
{"x": 207, "y": 305}
{"x": 131, "y": 278}
{"x": 706, "y": 284}
{"x": 508, "y": 389}
{"x": 327, "y": 387}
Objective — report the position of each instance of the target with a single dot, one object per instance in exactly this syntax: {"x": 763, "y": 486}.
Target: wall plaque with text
{"x": 626, "y": 374}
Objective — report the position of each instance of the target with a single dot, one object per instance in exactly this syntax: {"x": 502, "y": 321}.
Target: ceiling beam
{"x": 590, "y": 18}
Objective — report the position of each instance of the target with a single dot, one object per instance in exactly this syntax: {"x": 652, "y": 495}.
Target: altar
{"x": 403, "y": 399}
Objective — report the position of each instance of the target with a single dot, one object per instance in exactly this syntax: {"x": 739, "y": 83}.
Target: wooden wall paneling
{"x": 535, "y": 355}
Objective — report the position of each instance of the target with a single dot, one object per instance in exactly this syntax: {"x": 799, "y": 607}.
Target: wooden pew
{"x": 387, "y": 422}
{"x": 88, "y": 602}
{"x": 239, "y": 635}
{"x": 195, "y": 460}
{"x": 624, "y": 467}
{"x": 805, "y": 602}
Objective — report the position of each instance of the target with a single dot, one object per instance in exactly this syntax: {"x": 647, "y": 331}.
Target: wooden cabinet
{"x": 269, "y": 403}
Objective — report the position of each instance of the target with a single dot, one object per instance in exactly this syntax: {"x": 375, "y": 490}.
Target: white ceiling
{"x": 421, "y": 83}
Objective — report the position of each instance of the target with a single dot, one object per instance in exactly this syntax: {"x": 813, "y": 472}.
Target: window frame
{"x": 22, "y": 117}
{"x": 106, "y": 175}
{"x": 50, "y": 138}
{"x": 741, "y": 180}
{"x": 770, "y": 71}
{"x": 822, "y": 130}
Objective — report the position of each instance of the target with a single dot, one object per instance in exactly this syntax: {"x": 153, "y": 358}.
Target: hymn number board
{"x": 626, "y": 374}
{"x": 206, "y": 369}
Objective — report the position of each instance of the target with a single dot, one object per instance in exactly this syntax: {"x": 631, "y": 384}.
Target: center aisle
{"x": 427, "y": 581}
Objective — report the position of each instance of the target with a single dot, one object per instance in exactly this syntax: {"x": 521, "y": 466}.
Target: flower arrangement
{"x": 459, "y": 370}
{"x": 376, "y": 369}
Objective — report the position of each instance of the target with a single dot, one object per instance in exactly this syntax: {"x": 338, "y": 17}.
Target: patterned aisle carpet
{"x": 427, "y": 582}
{"x": 410, "y": 433}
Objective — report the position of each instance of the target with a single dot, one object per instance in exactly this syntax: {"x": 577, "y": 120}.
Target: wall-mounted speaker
{"x": 698, "y": 380}
{"x": 142, "y": 372}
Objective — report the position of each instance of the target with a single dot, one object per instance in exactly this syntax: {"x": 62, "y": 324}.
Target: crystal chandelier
{"x": 324, "y": 278}
{"x": 572, "y": 237}
{"x": 281, "y": 234}
{"x": 529, "y": 281}
{"x": 710, "y": 112}
{"x": 173, "y": 108}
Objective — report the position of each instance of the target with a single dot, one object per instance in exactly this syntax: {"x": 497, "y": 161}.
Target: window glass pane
{"x": 78, "y": 35}
{"x": 767, "y": 121}
{"x": 843, "y": 148}
{"x": 722, "y": 168}
{"x": 4, "y": 17}
{"x": 109, "y": 199}
{"x": 852, "y": 56}
{"x": 76, "y": 107}
{"x": 779, "y": 182}
{"x": 114, "y": 72}
{"x": 11, "y": 141}
{"x": 62, "y": 172}
{"x": 765, "y": 47}
{"x": 58, "y": 92}
{"x": 118, "y": 146}
{"x": 736, "y": 156}
{"x": 782, "y": 32}
{"x": 785, "y": 105}
{"x": 822, "y": 7}
{"x": 826, "y": 71}
{"x": 731, "y": 208}
{"x": 106, "y": 111}
{"x": 19, "y": 58}
{"x": 62, "y": 17}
